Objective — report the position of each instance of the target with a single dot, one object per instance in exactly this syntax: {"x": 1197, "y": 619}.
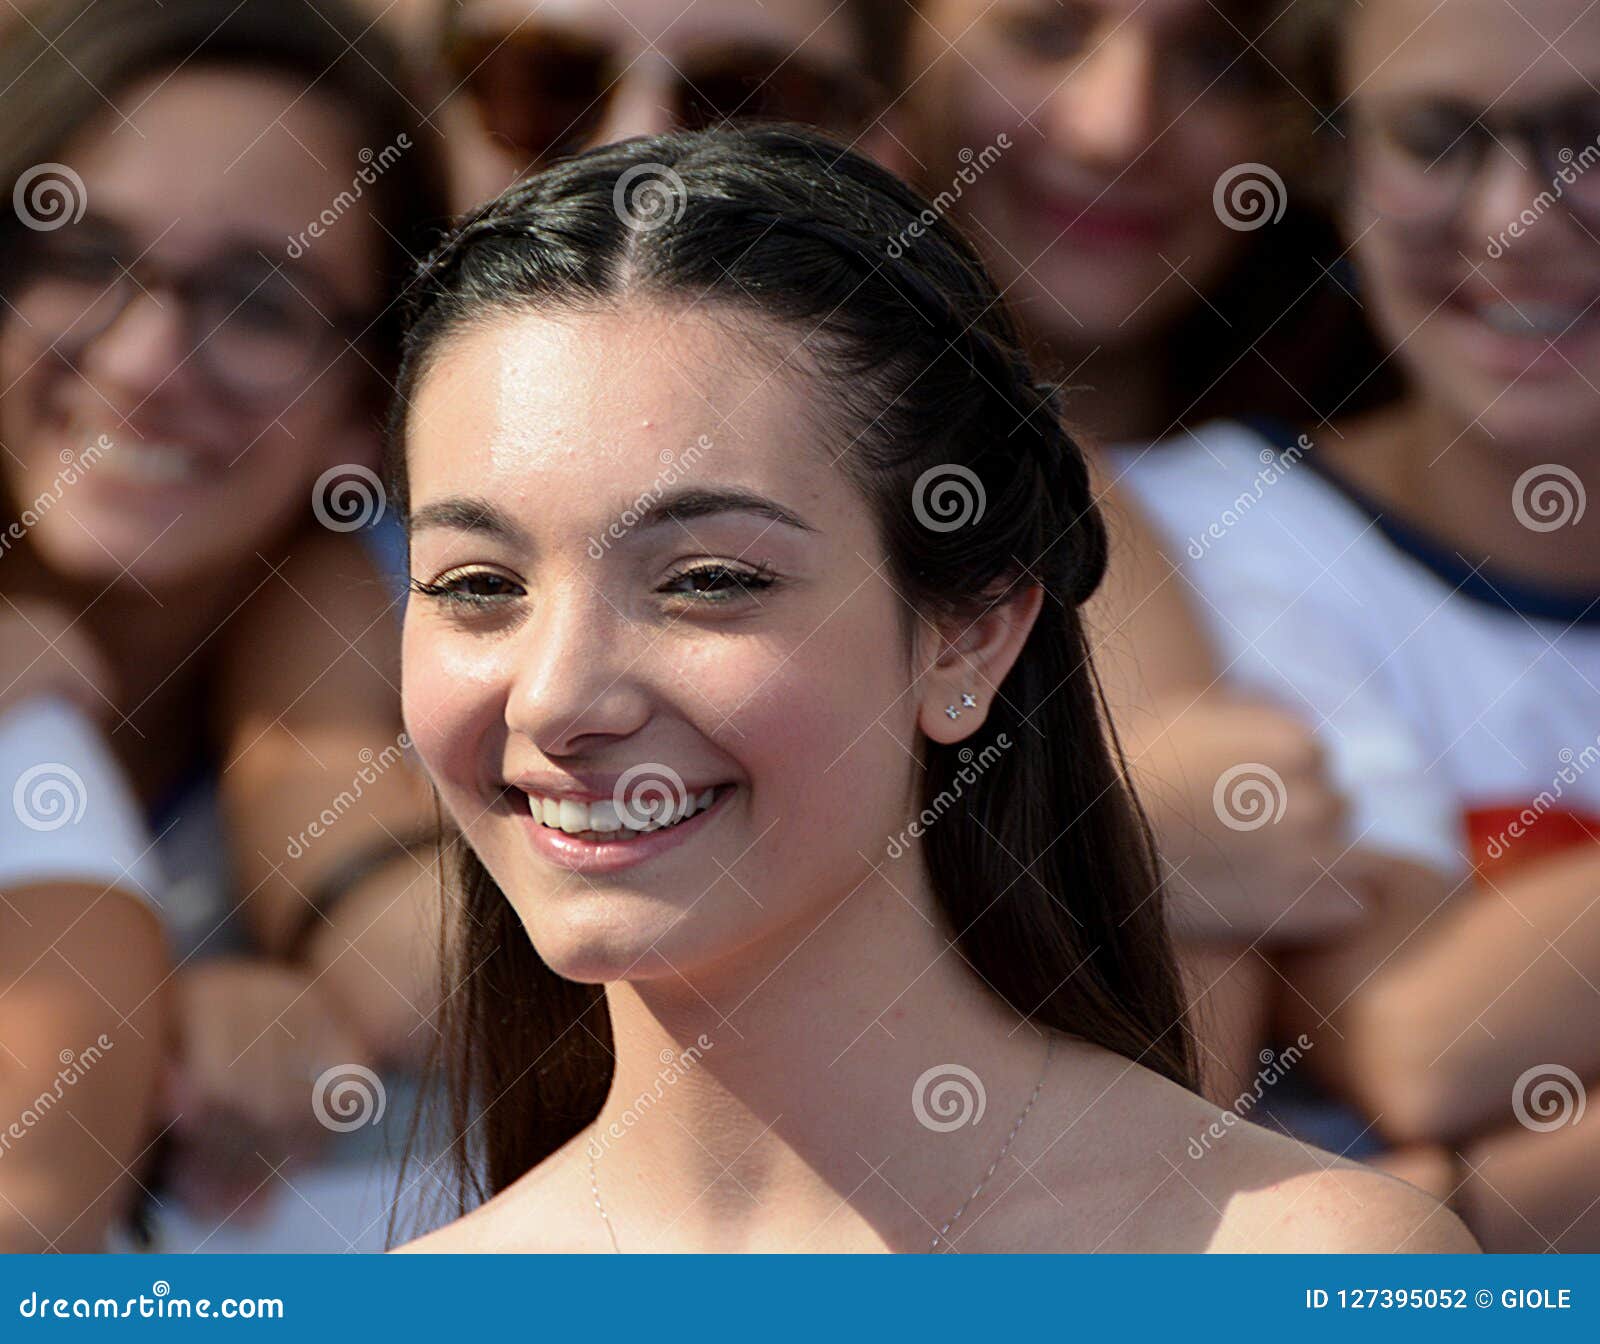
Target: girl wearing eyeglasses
{"x": 531, "y": 82}
{"x": 1422, "y": 584}
{"x": 209, "y": 206}
{"x": 803, "y": 904}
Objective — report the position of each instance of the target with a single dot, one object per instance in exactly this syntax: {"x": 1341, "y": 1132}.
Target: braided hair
{"x": 1044, "y": 873}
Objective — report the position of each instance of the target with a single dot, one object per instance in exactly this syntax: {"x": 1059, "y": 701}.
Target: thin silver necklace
{"x": 1049, "y": 1046}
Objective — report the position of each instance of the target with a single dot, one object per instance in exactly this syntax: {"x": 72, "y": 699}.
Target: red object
{"x": 1507, "y": 838}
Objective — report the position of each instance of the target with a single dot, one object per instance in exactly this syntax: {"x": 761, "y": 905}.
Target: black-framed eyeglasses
{"x": 1413, "y": 161}
{"x": 254, "y": 327}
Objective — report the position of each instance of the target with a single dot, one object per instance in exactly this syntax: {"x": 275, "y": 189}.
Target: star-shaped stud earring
{"x": 952, "y": 711}
{"x": 968, "y": 700}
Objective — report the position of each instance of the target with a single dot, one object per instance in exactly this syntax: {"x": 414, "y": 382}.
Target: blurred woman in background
{"x": 1135, "y": 172}
{"x": 536, "y": 81}
{"x": 215, "y": 203}
{"x": 1422, "y": 585}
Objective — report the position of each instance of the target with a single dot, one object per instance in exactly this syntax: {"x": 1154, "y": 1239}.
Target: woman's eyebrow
{"x": 467, "y": 513}
{"x": 693, "y": 502}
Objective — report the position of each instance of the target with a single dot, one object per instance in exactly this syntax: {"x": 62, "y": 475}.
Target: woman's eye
{"x": 1049, "y": 32}
{"x": 718, "y": 583}
{"x": 475, "y": 587}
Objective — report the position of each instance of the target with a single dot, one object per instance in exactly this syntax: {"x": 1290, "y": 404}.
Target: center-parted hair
{"x": 1041, "y": 863}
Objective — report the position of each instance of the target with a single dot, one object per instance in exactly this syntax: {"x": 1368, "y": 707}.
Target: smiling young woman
{"x": 834, "y": 627}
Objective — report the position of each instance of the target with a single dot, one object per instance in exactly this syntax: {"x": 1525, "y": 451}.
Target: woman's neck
{"x": 1446, "y": 475}
{"x": 769, "y": 1104}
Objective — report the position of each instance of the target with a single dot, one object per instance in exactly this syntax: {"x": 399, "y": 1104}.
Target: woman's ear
{"x": 974, "y": 657}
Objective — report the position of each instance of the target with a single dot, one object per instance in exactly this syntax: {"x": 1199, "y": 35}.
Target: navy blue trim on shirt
{"x": 1481, "y": 583}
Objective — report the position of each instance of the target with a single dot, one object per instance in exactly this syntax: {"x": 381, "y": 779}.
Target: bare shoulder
{"x": 537, "y": 1214}
{"x": 1341, "y": 1208}
{"x": 1138, "y": 1164}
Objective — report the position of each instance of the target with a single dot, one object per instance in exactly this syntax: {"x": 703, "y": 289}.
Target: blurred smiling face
{"x": 643, "y": 578}
{"x": 1502, "y": 329}
{"x": 212, "y": 451}
{"x": 1122, "y": 115}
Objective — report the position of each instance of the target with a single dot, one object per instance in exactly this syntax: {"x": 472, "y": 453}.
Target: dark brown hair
{"x": 1044, "y": 872}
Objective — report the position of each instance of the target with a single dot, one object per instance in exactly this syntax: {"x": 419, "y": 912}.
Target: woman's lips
{"x": 1512, "y": 336}
{"x": 580, "y": 855}
{"x": 1097, "y": 220}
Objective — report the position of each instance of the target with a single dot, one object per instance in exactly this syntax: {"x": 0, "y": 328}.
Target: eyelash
{"x": 747, "y": 583}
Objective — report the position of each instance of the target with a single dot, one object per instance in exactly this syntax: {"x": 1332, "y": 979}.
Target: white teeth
{"x": 575, "y": 818}
{"x": 1526, "y": 319}
{"x": 156, "y": 462}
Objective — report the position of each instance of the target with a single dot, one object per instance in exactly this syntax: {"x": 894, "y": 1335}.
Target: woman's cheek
{"x": 453, "y": 704}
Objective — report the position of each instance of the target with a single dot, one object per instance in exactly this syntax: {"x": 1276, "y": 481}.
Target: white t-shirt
{"x": 1460, "y": 711}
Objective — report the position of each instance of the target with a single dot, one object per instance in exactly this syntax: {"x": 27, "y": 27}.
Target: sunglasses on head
{"x": 545, "y": 91}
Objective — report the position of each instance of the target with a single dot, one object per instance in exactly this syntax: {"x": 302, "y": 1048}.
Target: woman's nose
{"x": 642, "y": 103}
{"x": 573, "y": 684}
{"x": 1104, "y": 109}
{"x": 142, "y": 351}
